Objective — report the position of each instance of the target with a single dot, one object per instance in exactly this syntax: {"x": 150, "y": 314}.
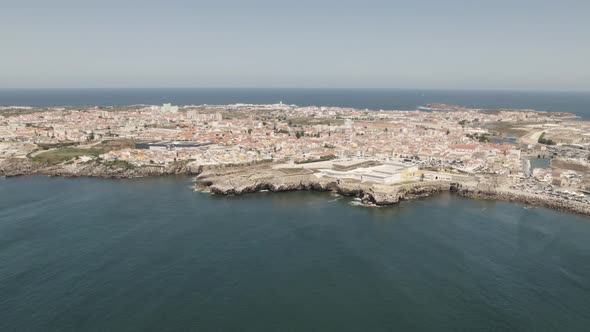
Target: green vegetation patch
{"x": 118, "y": 144}
{"x": 483, "y": 138}
{"x": 47, "y": 146}
{"x": 545, "y": 141}
{"x": 60, "y": 155}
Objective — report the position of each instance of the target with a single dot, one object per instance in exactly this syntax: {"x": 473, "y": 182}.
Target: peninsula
{"x": 379, "y": 156}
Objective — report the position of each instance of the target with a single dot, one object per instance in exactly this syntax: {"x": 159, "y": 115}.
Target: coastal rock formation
{"x": 93, "y": 168}
{"x": 527, "y": 198}
{"x": 237, "y": 180}
{"x": 243, "y": 180}
{"x": 17, "y": 166}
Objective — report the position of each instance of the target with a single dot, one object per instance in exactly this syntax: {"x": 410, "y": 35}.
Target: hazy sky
{"x": 517, "y": 44}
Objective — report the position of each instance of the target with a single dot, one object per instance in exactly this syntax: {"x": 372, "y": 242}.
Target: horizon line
{"x": 298, "y": 88}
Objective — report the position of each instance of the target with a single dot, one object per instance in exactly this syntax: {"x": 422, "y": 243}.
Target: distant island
{"x": 378, "y": 156}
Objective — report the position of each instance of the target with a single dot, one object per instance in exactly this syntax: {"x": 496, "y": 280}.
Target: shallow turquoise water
{"x": 152, "y": 255}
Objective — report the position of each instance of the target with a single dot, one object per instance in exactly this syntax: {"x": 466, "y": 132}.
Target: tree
{"x": 483, "y": 138}
{"x": 545, "y": 141}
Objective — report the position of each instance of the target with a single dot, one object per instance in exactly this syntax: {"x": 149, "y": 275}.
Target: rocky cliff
{"x": 242, "y": 180}
{"x": 237, "y": 180}
{"x": 21, "y": 166}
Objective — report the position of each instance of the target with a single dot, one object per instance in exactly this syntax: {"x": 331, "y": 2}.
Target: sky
{"x": 451, "y": 44}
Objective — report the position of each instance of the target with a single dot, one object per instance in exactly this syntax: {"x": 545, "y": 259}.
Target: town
{"x": 525, "y": 151}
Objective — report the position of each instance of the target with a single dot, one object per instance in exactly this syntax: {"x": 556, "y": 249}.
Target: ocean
{"x": 85, "y": 254}
{"x": 376, "y": 99}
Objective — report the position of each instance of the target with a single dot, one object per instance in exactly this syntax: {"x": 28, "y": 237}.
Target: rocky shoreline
{"x": 256, "y": 179}
{"x": 238, "y": 180}
{"x": 530, "y": 199}
{"x": 368, "y": 194}
{"x": 21, "y": 166}
{"x": 242, "y": 181}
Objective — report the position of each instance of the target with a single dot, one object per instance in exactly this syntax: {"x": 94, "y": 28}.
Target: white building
{"x": 167, "y": 108}
{"x": 387, "y": 173}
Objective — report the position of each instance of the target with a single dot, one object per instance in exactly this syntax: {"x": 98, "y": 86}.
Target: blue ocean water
{"x": 152, "y": 255}
{"x": 387, "y": 99}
